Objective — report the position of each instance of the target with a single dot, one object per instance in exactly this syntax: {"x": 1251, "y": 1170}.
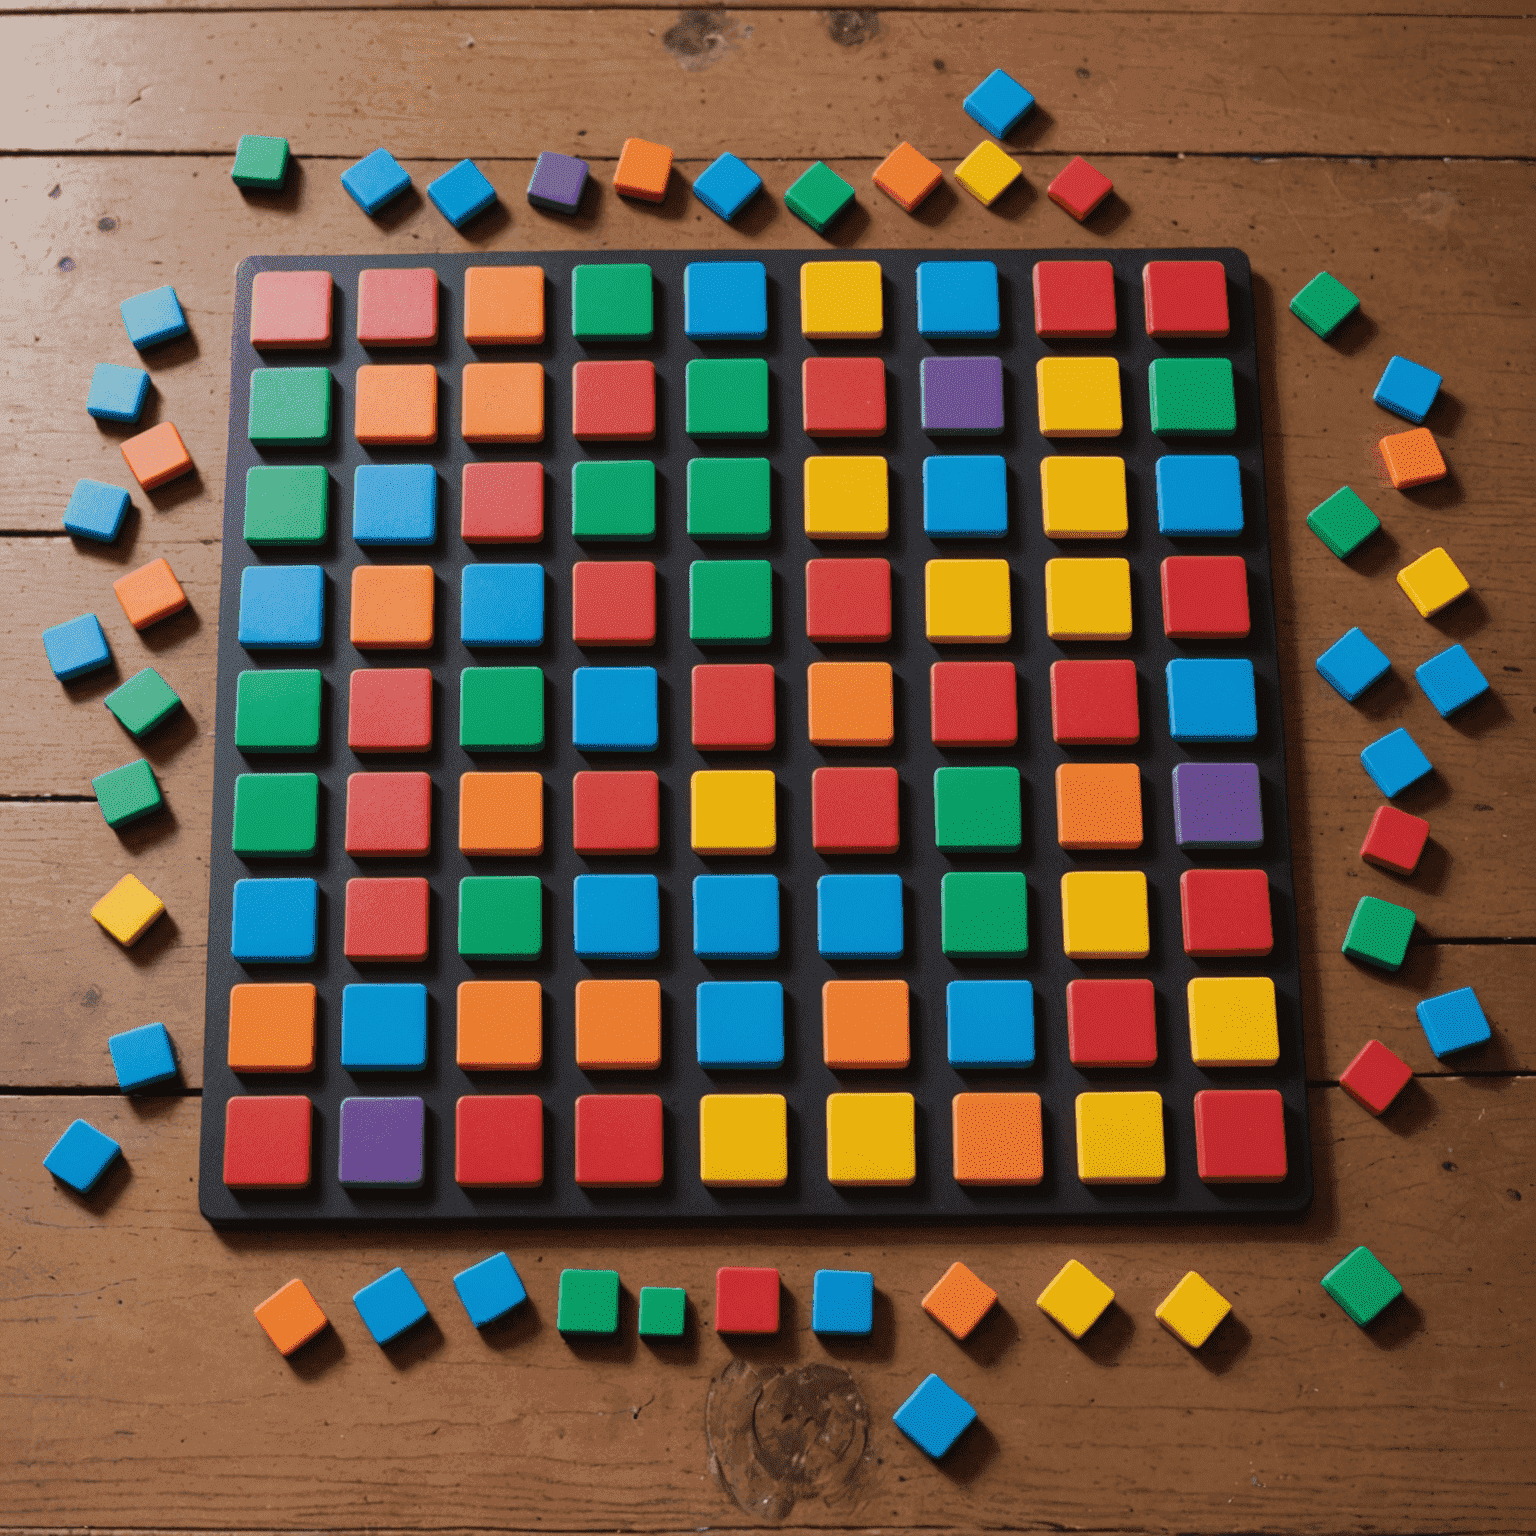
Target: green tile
{"x": 143, "y": 702}
{"x": 277, "y": 815}
{"x": 613, "y": 499}
{"x": 278, "y": 711}
{"x": 1343, "y": 522}
{"x": 612, "y": 299}
{"x": 501, "y": 709}
{"x": 286, "y": 504}
{"x": 1379, "y": 933}
{"x": 730, "y": 602}
{"x": 1324, "y": 304}
{"x": 1362, "y": 1285}
{"x": 501, "y": 917}
{"x": 291, "y": 407}
{"x": 818, "y": 196}
{"x": 984, "y": 913}
{"x": 729, "y": 499}
{"x": 1193, "y": 396}
{"x": 663, "y": 1311}
{"x": 727, "y": 397}
{"x": 977, "y": 808}
{"x": 589, "y": 1301}
{"x": 127, "y": 793}
{"x": 260, "y": 161}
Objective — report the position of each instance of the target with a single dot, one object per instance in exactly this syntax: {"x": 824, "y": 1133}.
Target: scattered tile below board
{"x": 1075, "y": 1299}
{"x": 934, "y": 1417}
{"x": 1362, "y": 1285}
{"x": 389, "y": 1306}
{"x": 959, "y": 1300}
{"x": 1192, "y": 1310}
{"x": 291, "y": 1317}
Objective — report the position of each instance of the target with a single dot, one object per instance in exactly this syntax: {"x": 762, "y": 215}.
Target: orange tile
{"x": 864, "y": 1024}
{"x": 396, "y": 403}
{"x": 272, "y": 1026}
{"x": 618, "y": 1024}
{"x": 906, "y": 176}
{"x": 501, "y": 1026}
{"x": 157, "y": 455}
{"x": 1412, "y": 458}
{"x": 959, "y": 1301}
{"x": 643, "y": 170}
{"x": 503, "y": 403}
{"x": 998, "y": 1138}
{"x": 503, "y": 306}
{"x": 1098, "y": 805}
{"x": 501, "y": 814}
{"x": 291, "y": 1317}
{"x": 392, "y": 607}
{"x": 851, "y": 703}
{"x": 150, "y": 594}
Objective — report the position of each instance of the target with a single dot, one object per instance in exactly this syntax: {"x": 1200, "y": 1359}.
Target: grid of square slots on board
{"x": 705, "y": 737}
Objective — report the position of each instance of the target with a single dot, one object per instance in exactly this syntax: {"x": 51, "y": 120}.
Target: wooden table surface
{"x": 1391, "y": 149}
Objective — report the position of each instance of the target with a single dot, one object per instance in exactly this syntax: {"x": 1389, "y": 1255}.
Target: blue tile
{"x": 142, "y": 1057}
{"x": 117, "y": 393}
{"x": 1451, "y": 680}
{"x": 490, "y": 1289}
{"x": 735, "y": 917}
{"x": 282, "y": 606}
{"x": 740, "y": 1024}
{"x": 1453, "y": 1021}
{"x": 1212, "y": 699}
{"x": 1407, "y": 389}
{"x": 502, "y": 605}
{"x": 389, "y": 1305}
{"x": 957, "y": 299}
{"x": 461, "y": 193}
{"x": 843, "y": 1303}
{"x": 76, "y": 647}
{"x": 96, "y": 511}
{"x": 859, "y": 916}
{"x": 617, "y": 917}
{"x": 81, "y": 1155}
{"x": 614, "y": 709}
{"x": 153, "y": 317}
{"x": 1352, "y": 663}
{"x": 725, "y": 300}
{"x": 965, "y": 496}
{"x": 375, "y": 180}
{"x": 557, "y": 182}
{"x": 275, "y": 920}
{"x": 991, "y": 1023}
{"x": 727, "y": 186}
{"x": 934, "y": 1417}
{"x": 394, "y": 504}
{"x": 998, "y": 103}
{"x": 1199, "y": 495}
{"x": 1394, "y": 761}
{"x": 384, "y": 1027}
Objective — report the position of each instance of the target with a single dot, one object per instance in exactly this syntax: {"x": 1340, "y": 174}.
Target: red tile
{"x": 855, "y": 810}
{"x": 267, "y": 1141}
{"x": 1074, "y": 299}
{"x": 390, "y": 710}
{"x": 848, "y": 600}
{"x": 498, "y": 1141}
{"x": 389, "y": 815}
{"x": 733, "y": 707}
{"x": 386, "y": 919}
{"x": 613, "y": 401}
{"x": 746, "y": 1300}
{"x": 1395, "y": 840}
{"x": 1111, "y": 1023}
{"x": 1240, "y": 1136}
{"x": 290, "y": 309}
{"x": 1205, "y": 597}
{"x": 974, "y": 703}
{"x": 613, "y": 602}
{"x": 502, "y": 504}
{"x": 1093, "y": 703}
{"x": 615, "y": 812}
{"x": 618, "y": 1140}
{"x": 1079, "y": 188}
{"x": 397, "y": 307}
{"x": 843, "y": 396}
{"x": 1226, "y": 912}
{"x": 1375, "y": 1077}
{"x": 1185, "y": 298}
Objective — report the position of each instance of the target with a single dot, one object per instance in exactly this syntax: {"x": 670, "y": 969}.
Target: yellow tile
{"x": 871, "y": 1138}
{"x": 1232, "y": 1021}
{"x": 1079, "y": 396}
{"x": 1083, "y": 498}
{"x": 1120, "y": 1138}
{"x": 846, "y": 497}
{"x": 1432, "y": 582}
{"x": 127, "y": 910}
{"x": 986, "y": 173}
{"x": 1104, "y": 914}
{"x": 1088, "y": 599}
{"x": 743, "y": 1140}
{"x": 1075, "y": 1300}
{"x": 967, "y": 602}
{"x": 841, "y": 299}
{"x": 733, "y": 811}
{"x": 1192, "y": 1309}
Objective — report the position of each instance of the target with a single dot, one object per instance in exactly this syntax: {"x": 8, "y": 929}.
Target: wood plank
{"x": 129, "y": 1328}
{"x": 1263, "y": 84}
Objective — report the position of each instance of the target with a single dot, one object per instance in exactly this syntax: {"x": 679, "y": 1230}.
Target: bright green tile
{"x": 261, "y": 162}
{"x": 277, "y": 815}
{"x": 143, "y": 702}
{"x": 1324, "y": 304}
{"x": 501, "y": 709}
{"x": 125, "y": 794}
{"x": 613, "y": 499}
{"x": 612, "y": 299}
{"x": 984, "y": 913}
{"x": 501, "y": 917}
{"x": 730, "y": 602}
{"x": 589, "y": 1301}
{"x": 729, "y": 499}
{"x": 977, "y": 808}
{"x": 286, "y": 504}
{"x": 1379, "y": 933}
{"x": 727, "y": 397}
{"x": 1362, "y": 1285}
{"x": 1343, "y": 522}
{"x": 1193, "y": 396}
{"x": 818, "y": 196}
{"x": 278, "y": 711}
{"x": 290, "y": 407}
{"x": 663, "y": 1311}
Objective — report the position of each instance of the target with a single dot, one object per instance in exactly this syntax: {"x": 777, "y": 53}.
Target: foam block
{"x": 1412, "y": 458}
{"x": 1111, "y": 1022}
{"x": 501, "y": 605}
{"x": 732, "y": 707}
{"x": 126, "y": 794}
{"x": 1192, "y": 1310}
{"x": 967, "y": 602}
{"x": 1185, "y": 299}
{"x": 502, "y": 814}
{"x": 498, "y": 1141}
{"x": 153, "y": 317}
{"x": 735, "y": 916}
{"x": 746, "y": 1300}
{"x": 490, "y": 1290}
{"x": 907, "y": 177}
{"x": 1343, "y": 522}
{"x": 1192, "y": 396}
{"x": 730, "y": 498}
{"x": 143, "y": 702}
{"x": 615, "y": 812}
{"x": 865, "y": 1025}
{"x": 291, "y": 310}
{"x": 276, "y": 815}
{"x": 846, "y": 497}
{"x": 128, "y": 910}
{"x": 1324, "y": 304}
{"x": 1199, "y": 496}
{"x": 503, "y": 306}
{"x": 618, "y": 1024}
{"x": 619, "y": 1140}
{"x": 871, "y": 1139}
{"x": 157, "y": 456}
{"x": 663, "y": 1312}
{"x": 1362, "y": 1285}
{"x": 81, "y": 1156}
{"x": 395, "y": 405}
{"x": 726, "y": 186}
{"x": 957, "y": 299}
{"x": 1088, "y": 599}
{"x": 959, "y": 1300}
{"x": 278, "y": 710}
{"x": 389, "y": 1306}
{"x": 96, "y": 511}
{"x": 997, "y": 1139}
{"x": 613, "y": 499}
{"x": 725, "y": 300}
{"x": 392, "y": 607}
{"x": 1078, "y": 397}
{"x": 1120, "y": 1138}
{"x": 1375, "y": 1077}
{"x": 142, "y": 1057}
{"x": 500, "y": 1026}
{"x": 739, "y": 1024}
{"x": 291, "y": 1317}
{"x": 1395, "y": 840}
{"x": 501, "y": 917}
{"x": 117, "y": 393}
{"x": 817, "y": 196}
{"x": 375, "y": 180}
{"x": 977, "y": 808}
{"x": 1432, "y": 582}
{"x": 617, "y": 917}
{"x": 1454, "y": 1021}
{"x": 589, "y": 1301}
{"x": 1083, "y": 497}
{"x": 557, "y": 182}
{"x": 268, "y": 1141}
{"x": 274, "y": 921}
{"x": 1212, "y": 699}
{"x": 1217, "y": 805}
{"x": 1233, "y": 1021}
{"x": 987, "y": 172}
{"x": 287, "y": 504}
{"x": 859, "y": 916}
{"x": 1205, "y": 597}
{"x": 1093, "y": 703}
{"x": 990, "y": 1024}
{"x": 1079, "y": 188}
{"x": 613, "y": 401}
{"x": 261, "y": 162}
{"x": 934, "y": 1417}
{"x": 272, "y": 1027}
{"x": 643, "y": 171}
{"x": 1451, "y": 680}
{"x": 1075, "y": 1299}
{"x": 999, "y": 103}
{"x": 973, "y": 703}
{"x": 290, "y": 407}
{"x": 389, "y": 710}
{"x": 382, "y": 1143}
{"x": 855, "y": 810}
{"x": 1379, "y": 932}
{"x": 730, "y": 602}
{"x": 842, "y": 396}
{"x": 726, "y": 397}
{"x": 397, "y": 306}
{"x": 848, "y": 601}
{"x": 733, "y": 811}
{"x": 461, "y": 193}
{"x": 1074, "y": 300}
{"x": 502, "y": 503}
{"x": 149, "y": 594}
{"x": 1352, "y": 663}
{"x": 843, "y": 1303}
{"x": 743, "y": 1140}
{"x": 1098, "y": 805}
{"x": 1407, "y": 389}
{"x": 1226, "y": 912}
{"x": 384, "y": 1027}
{"x": 1395, "y": 762}
{"x": 983, "y": 913}
{"x": 282, "y": 607}
{"x": 961, "y": 396}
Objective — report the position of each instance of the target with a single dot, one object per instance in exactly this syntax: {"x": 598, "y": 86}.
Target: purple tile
{"x": 1216, "y": 805}
{"x": 558, "y": 182}
{"x": 962, "y": 394}
{"x": 381, "y": 1142}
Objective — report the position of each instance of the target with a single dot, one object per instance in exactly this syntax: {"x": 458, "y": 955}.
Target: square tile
{"x": 387, "y": 919}
{"x": 291, "y": 310}
{"x": 1212, "y": 699}
{"x": 615, "y": 812}
{"x": 1192, "y": 1310}
{"x": 149, "y": 594}
{"x": 502, "y": 403}
{"x": 846, "y": 497}
{"x": 1362, "y": 1285}
{"x": 500, "y": 1026}
{"x": 557, "y": 182}
{"x": 461, "y": 193}
{"x": 96, "y": 511}
{"x": 744, "y": 1143}
{"x": 392, "y": 607}
{"x": 1407, "y": 389}
{"x": 1217, "y": 805}
{"x": 1199, "y": 496}
{"x": 998, "y": 103}
{"x": 290, "y": 407}
{"x": 589, "y": 1301}
{"x": 1343, "y": 522}
{"x": 732, "y": 707}
{"x": 501, "y": 814}
{"x": 1074, "y": 300}
{"x": 501, "y": 917}
{"x": 613, "y": 499}
{"x": 1104, "y": 914}
{"x": 1098, "y": 805}
{"x": 726, "y": 186}
{"x": 291, "y": 1317}
{"x": 1226, "y": 912}
{"x": 843, "y": 1303}
{"x": 1453, "y": 1021}
{"x": 662, "y": 1313}
{"x": 502, "y": 503}
{"x": 725, "y": 300}
{"x": 126, "y": 794}
{"x": 1205, "y": 597}
{"x": 1240, "y": 1136}
{"x": 729, "y": 499}
{"x": 274, "y": 921}
{"x": 962, "y": 395}
{"x": 1412, "y": 458}
{"x": 501, "y": 605}
{"x": 272, "y": 1027}
{"x": 855, "y": 810}
{"x": 282, "y": 607}
{"x": 957, "y": 299}
{"x": 614, "y": 709}
{"x": 986, "y": 173}
{"x": 730, "y": 602}
{"x": 1375, "y": 1077}
{"x": 739, "y": 1024}
{"x": 1120, "y": 1138}
{"x": 965, "y": 496}
{"x": 389, "y": 815}
{"x": 841, "y": 300}
{"x": 394, "y": 504}
{"x": 733, "y": 811}
{"x": 977, "y": 808}
{"x": 984, "y": 913}
{"x": 1079, "y": 188}
{"x": 907, "y": 177}
{"x": 818, "y": 196}
{"x": 746, "y": 1300}
{"x": 1451, "y": 680}
{"x": 859, "y": 917}
{"x": 397, "y": 306}
{"x": 395, "y": 405}
{"x": 287, "y": 504}
{"x": 117, "y": 393}
{"x": 991, "y": 1024}
{"x": 619, "y": 1141}
{"x": 276, "y": 815}
{"x": 1185, "y": 299}
{"x": 1111, "y": 1022}
{"x": 643, "y": 171}
{"x": 1083, "y": 497}
{"x": 389, "y": 1306}
{"x": 1233, "y": 1021}
{"x": 973, "y": 703}
{"x": 1395, "y": 762}
{"x": 1432, "y": 582}
{"x": 153, "y": 317}
{"x": 871, "y": 1139}
{"x": 851, "y": 703}
{"x": 735, "y": 917}
{"x": 967, "y": 602}
{"x": 726, "y": 397}
{"x": 375, "y": 180}
{"x": 261, "y": 162}
{"x": 1088, "y": 599}
{"x": 1395, "y": 840}
{"x": 503, "y": 306}
{"x": 388, "y": 710}
{"x": 959, "y": 1301}
{"x": 268, "y": 1141}
{"x": 81, "y": 1156}
{"x": 848, "y": 601}
{"x": 613, "y": 402}
{"x": 611, "y": 300}
{"x": 143, "y": 702}
{"x": 616, "y": 917}
{"x": 865, "y": 1025}
{"x": 1078, "y": 396}
{"x": 618, "y": 1024}
{"x": 843, "y": 396}
{"x": 142, "y": 1058}
{"x": 384, "y": 1027}
{"x": 1324, "y": 304}
{"x": 490, "y": 1289}
{"x": 1192, "y": 396}
{"x": 997, "y": 1139}
{"x": 278, "y": 711}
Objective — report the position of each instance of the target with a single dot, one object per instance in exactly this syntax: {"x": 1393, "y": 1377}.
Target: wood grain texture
{"x": 1143, "y": 82}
